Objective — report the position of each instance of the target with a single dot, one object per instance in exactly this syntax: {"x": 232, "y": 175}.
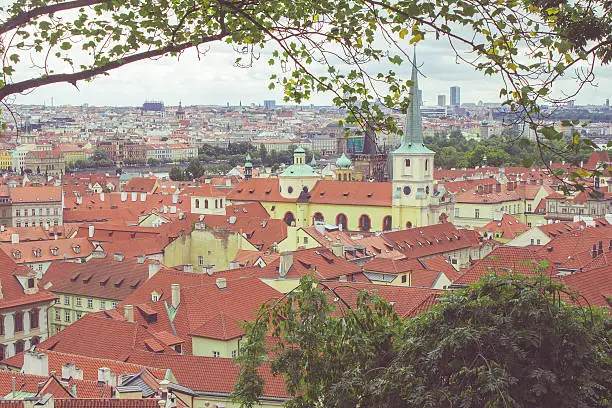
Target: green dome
{"x": 343, "y": 162}
{"x": 299, "y": 150}
{"x": 248, "y": 164}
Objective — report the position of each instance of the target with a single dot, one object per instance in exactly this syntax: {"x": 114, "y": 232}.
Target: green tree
{"x": 508, "y": 341}
{"x": 176, "y": 174}
{"x": 194, "y": 170}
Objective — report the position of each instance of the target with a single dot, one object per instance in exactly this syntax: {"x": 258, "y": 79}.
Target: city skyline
{"x": 197, "y": 82}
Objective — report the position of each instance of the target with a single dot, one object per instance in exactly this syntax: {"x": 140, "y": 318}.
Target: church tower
{"x": 248, "y": 168}
{"x": 413, "y": 169}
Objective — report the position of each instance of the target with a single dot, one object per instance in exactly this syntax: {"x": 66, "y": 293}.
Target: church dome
{"x": 343, "y": 162}
{"x": 299, "y": 150}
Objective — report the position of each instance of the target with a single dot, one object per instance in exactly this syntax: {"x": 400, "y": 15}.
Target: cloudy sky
{"x": 214, "y": 80}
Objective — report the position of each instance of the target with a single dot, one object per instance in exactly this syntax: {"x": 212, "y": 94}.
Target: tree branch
{"x": 22, "y": 86}
{"x": 25, "y": 17}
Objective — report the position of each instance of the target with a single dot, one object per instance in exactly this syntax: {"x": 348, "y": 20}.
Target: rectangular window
{"x": 67, "y": 316}
{"x": 18, "y": 213}
{"x": 305, "y": 240}
{"x": 102, "y": 305}
{"x": 528, "y": 207}
{"x": 454, "y": 261}
{"x": 216, "y": 354}
{"x": 200, "y": 260}
{"x": 26, "y": 224}
{"x": 78, "y": 315}
{"x": 532, "y": 241}
{"x": 529, "y": 224}
{"x": 25, "y": 212}
{"x": 67, "y": 300}
{"x": 538, "y": 242}
{"x": 18, "y": 224}
{"x": 34, "y": 319}
{"x": 78, "y": 302}
{"x": 404, "y": 279}
{"x": 477, "y": 213}
{"x": 90, "y": 303}
{"x": 234, "y": 353}
{"x": 114, "y": 305}
{"x": 57, "y": 315}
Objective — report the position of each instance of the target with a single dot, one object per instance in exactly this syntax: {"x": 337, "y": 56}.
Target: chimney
{"x": 176, "y": 295}
{"x": 134, "y": 196}
{"x": 143, "y": 196}
{"x": 92, "y": 230}
{"x": 174, "y": 198}
{"x": 105, "y": 376}
{"x": 221, "y": 283}
{"x": 188, "y": 268}
{"x": 153, "y": 268}
{"x": 140, "y": 259}
{"x": 35, "y": 363}
{"x": 286, "y": 261}
{"x": 594, "y": 251}
{"x": 208, "y": 269}
{"x": 70, "y": 370}
{"x": 498, "y": 188}
{"x": 128, "y": 313}
{"x": 123, "y": 196}
{"x": 338, "y": 249}
{"x": 14, "y": 238}
{"x": 118, "y": 256}
{"x": 2, "y": 228}
{"x": 101, "y": 196}
{"x": 235, "y": 264}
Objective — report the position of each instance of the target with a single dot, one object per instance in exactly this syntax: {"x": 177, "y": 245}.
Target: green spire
{"x": 412, "y": 141}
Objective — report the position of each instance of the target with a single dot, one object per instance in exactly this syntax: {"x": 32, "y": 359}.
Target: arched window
{"x": 34, "y": 340}
{"x": 289, "y": 218}
{"x": 426, "y": 165}
{"x": 197, "y": 203}
{"x": 342, "y": 221}
{"x": 318, "y": 217}
{"x": 205, "y": 203}
{"x": 409, "y": 224}
{"x": 19, "y": 346}
{"x": 443, "y": 217}
{"x": 365, "y": 223}
{"x": 387, "y": 223}
{"x": 3, "y": 352}
{"x": 407, "y": 162}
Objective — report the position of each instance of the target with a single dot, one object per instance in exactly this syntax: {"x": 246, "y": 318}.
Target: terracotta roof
{"x": 104, "y": 278}
{"x": 140, "y": 185}
{"x": 209, "y": 374}
{"x": 36, "y": 194}
{"x": 47, "y": 251}
{"x": 595, "y": 285}
{"x": 431, "y": 240}
{"x": 559, "y": 228}
{"x": 351, "y": 193}
{"x": 261, "y": 232}
{"x": 472, "y": 197}
{"x": 509, "y": 227}
{"x": 12, "y": 291}
{"x": 507, "y": 259}
{"x": 106, "y": 403}
{"x": 203, "y": 190}
{"x": 258, "y": 189}
{"x": 404, "y": 299}
{"x": 320, "y": 262}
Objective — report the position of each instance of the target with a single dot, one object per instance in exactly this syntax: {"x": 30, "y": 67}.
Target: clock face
{"x": 407, "y": 190}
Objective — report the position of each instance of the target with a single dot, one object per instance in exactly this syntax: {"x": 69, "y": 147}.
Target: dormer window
{"x": 17, "y": 254}
{"x": 54, "y": 251}
{"x": 36, "y": 252}
{"x": 76, "y": 249}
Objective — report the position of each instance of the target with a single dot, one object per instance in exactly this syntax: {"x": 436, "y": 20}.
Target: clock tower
{"x": 413, "y": 168}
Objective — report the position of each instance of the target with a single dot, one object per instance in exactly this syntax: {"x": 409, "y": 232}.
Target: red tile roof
{"x": 104, "y": 278}
{"x": 258, "y": 189}
{"x": 509, "y": 227}
{"x": 351, "y": 193}
{"x": 431, "y": 240}
{"x": 595, "y": 285}
{"x": 36, "y": 194}
{"x": 12, "y": 292}
{"x": 320, "y": 262}
{"x": 106, "y": 403}
{"x": 507, "y": 259}
{"x": 47, "y": 251}
{"x": 141, "y": 185}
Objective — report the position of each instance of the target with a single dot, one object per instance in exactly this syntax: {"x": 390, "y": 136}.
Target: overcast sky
{"x": 213, "y": 80}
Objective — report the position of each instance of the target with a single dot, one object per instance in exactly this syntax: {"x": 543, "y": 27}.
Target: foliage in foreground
{"x": 508, "y": 341}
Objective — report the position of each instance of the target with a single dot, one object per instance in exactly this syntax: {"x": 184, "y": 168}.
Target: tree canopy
{"x": 507, "y": 341}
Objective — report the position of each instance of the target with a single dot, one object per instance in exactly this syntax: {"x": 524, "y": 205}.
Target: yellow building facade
{"x": 6, "y": 160}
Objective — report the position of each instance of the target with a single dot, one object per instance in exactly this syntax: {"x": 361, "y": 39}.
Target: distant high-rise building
{"x": 270, "y": 104}
{"x": 420, "y": 97}
{"x": 455, "y": 96}
{"x": 608, "y": 103}
{"x": 441, "y": 100}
